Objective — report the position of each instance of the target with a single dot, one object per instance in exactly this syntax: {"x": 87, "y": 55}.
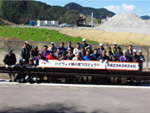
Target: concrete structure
{"x": 40, "y": 22}
{"x": 92, "y": 18}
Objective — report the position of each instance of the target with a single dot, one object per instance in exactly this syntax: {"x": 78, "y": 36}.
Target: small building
{"x": 40, "y": 22}
{"x": 47, "y": 23}
{"x": 55, "y": 23}
{"x": 81, "y": 22}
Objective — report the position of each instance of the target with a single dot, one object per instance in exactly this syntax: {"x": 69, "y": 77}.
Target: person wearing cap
{"x": 124, "y": 57}
{"x": 83, "y": 44}
{"x": 9, "y": 60}
{"x": 63, "y": 49}
{"x": 63, "y": 57}
{"x": 109, "y": 53}
{"x": 20, "y": 77}
{"x": 89, "y": 48}
{"x": 130, "y": 51}
{"x": 119, "y": 53}
{"x": 52, "y": 47}
{"x": 95, "y": 55}
{"x": 45, "y": 52}
{"x": 70, "y": 55}
{"x": 87, "y": 56}
{"x": 40, "y": 56}
{"x": 77, "y": 49}
{"x": 82, "y": 52}
{"x": 29, "y": 47}
{"x": 69, "y": 46}
{"x": 114, "y": 48}
{"x": 103, "y": 57}
{"x": 101, "y": 48}
{"x": 135, "y": 57}
{"x": 77, "y": 57}
{"x": 34, "y": 52}
{"x": 25, "y": 53}
{"x": 51, "y": 56}
{"x": 58, "y": 54}
{"x": 142, "y": 59}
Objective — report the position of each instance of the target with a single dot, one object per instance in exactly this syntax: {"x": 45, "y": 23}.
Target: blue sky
{"x": 140, "y": 7}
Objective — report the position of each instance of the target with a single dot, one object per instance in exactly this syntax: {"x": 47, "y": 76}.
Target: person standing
{"x": 95, "y": 55}
{"x": 70, "y": 55}
{"x": 69, "y": 46}
{"x": 109, "y": 53}
{"x": 83, "y": 44}
{"x": 101, "y": 48}
{"x": 114, "y": 49}
{"x": 34, "y": 52}
{"x": 130, "y": 51}
{"x": 9, "y": 60}
{"x": 58, "y": 54}
{"x": 77, "y": 49}
{"x": 119, "y": 53}
{"x": 45, "y": 52}
{"x": 53, "y": 47}
{"x": 142, "y": 59}
{"x": 25, "y": 53}
{"x": 51, "y": 56}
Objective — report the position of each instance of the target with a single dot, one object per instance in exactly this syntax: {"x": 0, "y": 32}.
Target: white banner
{"x": 89, "y": 65}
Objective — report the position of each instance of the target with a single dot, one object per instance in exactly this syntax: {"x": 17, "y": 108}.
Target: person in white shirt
{"x": 77, "y": 49}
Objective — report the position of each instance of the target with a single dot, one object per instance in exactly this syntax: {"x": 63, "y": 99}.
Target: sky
{"x": 140, "y": 7}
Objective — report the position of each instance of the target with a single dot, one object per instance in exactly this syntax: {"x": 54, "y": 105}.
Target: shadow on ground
{"x": 48, "y": 108}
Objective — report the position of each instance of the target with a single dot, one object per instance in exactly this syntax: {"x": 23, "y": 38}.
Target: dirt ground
{"x": 109, "y": 37}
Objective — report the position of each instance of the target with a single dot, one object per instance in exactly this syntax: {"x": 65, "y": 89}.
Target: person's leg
{"x": 10, "y": 76}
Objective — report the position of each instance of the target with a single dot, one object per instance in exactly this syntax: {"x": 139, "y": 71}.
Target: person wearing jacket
{"x": 103, "y": 57}
{"x": 101, "y": 48}
{"x": 51, "y": 56}
{"x": 130, "y": 51}
{"x": 9, "y": 60}
{"x": 124, "y": 57}
{"x": 58, "y": 54}
{"x": 87, "y": 56}
{"x": 45, "y": 52}
{"x": 40, "y": 56}
{"x": 69, "y": 46}
{"x": 109, "y": 53}
{"x": 95, "y": 55}
{"x": 114, "y": 49}
{"x": 25, "y": 53}
{"x": 53, "y": 47}
{"x": 142, "y": 59}
{"x": 77, "y": 49}
{"x": 34, "y": 52}
{"x": 83, "y": 44}
{"x": 119, "y": 53}
{"x": 70, "y": 55}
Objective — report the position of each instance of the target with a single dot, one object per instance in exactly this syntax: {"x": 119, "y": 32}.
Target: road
{"x": 55, "y": 98}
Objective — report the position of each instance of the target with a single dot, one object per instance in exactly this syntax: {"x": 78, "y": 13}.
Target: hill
{"x": 24, "y": 11}
{"x": 98, "y": 13}
{"x": 146, "y": 17}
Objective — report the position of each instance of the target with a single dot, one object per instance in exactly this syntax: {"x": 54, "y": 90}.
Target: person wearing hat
{"x": 103, "y": 57}
{"x": 45, "y": 52}
{"x": 52, "y": 47}
{"x": 40, "y": 56}
{"x": 101, "y": 48}
{"x": 58, "y": 54}
{"x": 63, "y": 49}
{"x": 69, "y": 46}
{"x": 135, "y": 57}
{"x": 119, "y": 53}
{"x": 51, "y": 56}
{"x": 77, "y": 49}
{"x": 34, "y": 52}
{"x": 25, "y": 53}
{"x": 124, "y": 57}
{"x": 70, "y": 55}
{"x": 95, "y": 55}
{"x": 142, "y": 59}
{"x": 114, "y": 48}
{"x": 89, "y": 48}
{"x": 109, "y": 53}
{"x": 83, "y": 44}
{"x": 20, "y": 77}
{"x": 9, "y": 60}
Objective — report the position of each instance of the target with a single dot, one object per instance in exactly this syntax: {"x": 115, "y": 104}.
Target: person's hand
{"x": 12, "y": 66}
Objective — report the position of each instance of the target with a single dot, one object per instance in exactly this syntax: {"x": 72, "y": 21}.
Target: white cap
{"x": 83, "y": 40}
{"x": 134, "y": 50}
{"x": 101, "y": 44}
{"x": 114, "y": 43}
{"x": 26, "y": 42}
{"x": 52, "y": 43}
{"x": 140, "y": 51}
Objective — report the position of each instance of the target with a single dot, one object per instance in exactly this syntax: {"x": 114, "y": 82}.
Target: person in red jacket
{"x": 51, "y": 56}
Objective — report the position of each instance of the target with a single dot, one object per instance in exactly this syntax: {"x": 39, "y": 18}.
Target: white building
{"x": 55, "y": 23}
{"x": 40, "y": 22}
{"x": 47, "y": 23}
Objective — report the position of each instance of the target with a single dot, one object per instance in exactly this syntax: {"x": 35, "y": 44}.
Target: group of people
{"x": 30, "y": 56}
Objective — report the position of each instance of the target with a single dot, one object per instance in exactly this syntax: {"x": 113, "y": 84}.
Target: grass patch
{"x": 36, "y": 34}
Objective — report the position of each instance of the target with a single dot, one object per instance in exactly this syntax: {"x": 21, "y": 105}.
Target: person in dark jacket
{"x": 142, "y": 59}
{"x": 25, "y": 53}
{"x": 130, "y": 51}
{"x": 29, "y": 47}
{"x": 95, "y": 55}
{"x": 101, "y": 48}
{"x": 83, "y": 44}
{"x": 119, "y": 53}
{"x": 20, "y": 76}
{"x": 87, "y": 57}
{"x": 38, "y": 58}
{"x": 109, "y": 53}
{"x": 63, "y": 57}
{"x": 69, "y": 46}
{"x": 34, "y": 52}
{"x": 135, "y": 57}
{"x": 63, "y": 49}
{"x": 82, "y": 52}
{"x": 9, "y": 60}
{"x": 103, "y": 57}
{"x": 52, "y": 47}
{"x": 58, "y": 54}
{"x": 70, "y": 55}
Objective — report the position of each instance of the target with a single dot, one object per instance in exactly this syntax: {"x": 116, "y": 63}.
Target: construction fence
{"x": 6, "y": 45}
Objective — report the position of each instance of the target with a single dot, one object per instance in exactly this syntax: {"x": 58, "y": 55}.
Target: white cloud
{"x": 124, "y": 8}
